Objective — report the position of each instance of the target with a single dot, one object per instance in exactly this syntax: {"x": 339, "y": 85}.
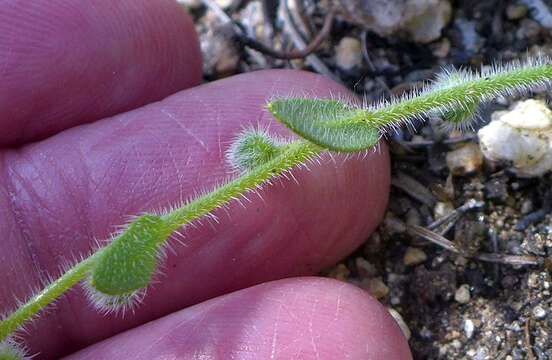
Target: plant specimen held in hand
{"x": 117, "y": 275}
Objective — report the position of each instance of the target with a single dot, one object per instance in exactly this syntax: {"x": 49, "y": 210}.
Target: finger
{"x": 66, "y": 63}
{"x": 82, "y": 183}
{"x": 306, "y": 318}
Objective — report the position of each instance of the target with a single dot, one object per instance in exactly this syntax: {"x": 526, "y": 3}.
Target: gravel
{"x": 453, "y": 304}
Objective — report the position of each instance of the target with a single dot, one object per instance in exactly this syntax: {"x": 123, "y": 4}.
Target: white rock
{"x": 465, "y": 160}
{"x": 223, "y": 3}
{"x": 423, "y": 20}
{"x": 539, "y": 313}
{"x": 442, "y": 209}
{"x": 462, "y": 294}
{"x": 431, "y": 17}
{"x": 469, "y": 328}
{"x": 522, "y": 136}
{"x": 348, "y": 53}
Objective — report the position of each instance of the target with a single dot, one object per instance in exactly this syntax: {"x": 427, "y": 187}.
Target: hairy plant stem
{"x": 291, "y": 155}
{"x": 458, "y": 96}
{"x": 48, "y": 295}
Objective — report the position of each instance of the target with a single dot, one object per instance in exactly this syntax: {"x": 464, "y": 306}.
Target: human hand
{"x": 85, "y": 145}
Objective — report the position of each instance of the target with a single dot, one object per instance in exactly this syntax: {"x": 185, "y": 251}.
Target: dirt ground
{"x": 490, "y": 300}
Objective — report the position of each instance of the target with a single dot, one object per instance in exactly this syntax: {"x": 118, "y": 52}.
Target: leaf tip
{"x": 251, "y": 149}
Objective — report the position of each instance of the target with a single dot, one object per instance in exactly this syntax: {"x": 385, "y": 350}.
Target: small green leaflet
{"x": 129, "y": 263}
{"x": 330, "y": 124}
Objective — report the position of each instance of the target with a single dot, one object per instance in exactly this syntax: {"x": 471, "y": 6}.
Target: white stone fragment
{"x": 348, "y": 53}
{"x": 469, "y": 328}
{"x": 423, "y": 20}
{"x": 522, "y": 136}
{"x": 539, "y": 313}
{"x": 462, "y": 294}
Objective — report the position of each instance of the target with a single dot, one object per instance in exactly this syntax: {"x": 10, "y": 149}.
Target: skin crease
{"x": 59, "y": 194}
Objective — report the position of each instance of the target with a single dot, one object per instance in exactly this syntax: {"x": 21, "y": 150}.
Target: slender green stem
{"x": 48, "y": 295}
{"x": 293, "y": 154}
{"x": 459, "y": 96}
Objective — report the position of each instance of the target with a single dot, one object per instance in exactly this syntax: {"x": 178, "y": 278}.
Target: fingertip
{"x": 310, "y": 318}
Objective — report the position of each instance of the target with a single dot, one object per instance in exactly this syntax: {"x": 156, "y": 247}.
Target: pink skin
{"x": 301, "y": 318}
{"x": 58, "y": 195}
{"x": 67, "y": 62}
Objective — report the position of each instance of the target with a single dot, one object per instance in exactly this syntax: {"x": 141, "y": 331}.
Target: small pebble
{"x": 413, "y": 218}
{"x": 365, "y": 268}
{"x": 469, "y": 328}
{"x": 340, "y": 272}
{"x": 398, "y": 318}
{"x": 442, "y": 209}
{"x": 221, "y": 53}
{"x": 348, "y": 53}
{"x": 224, "y": 3}
{"x": 526, "y": 206}
{"x": 548, "y": 264}
{"x": 426, "y": 26}
{"x": 395, "y": 300}
{"x": 462, "y": 294}
{"x": 228, "y": 60}
{"x": 426, "y": 333}
{"x": 516, "y": 12}
{"x": 461, "y": 261}
{"x": 481, "y": 354}
{"x": 533, "y": 280}
{"x": 521, "y": 136}
{"x": 539, "y": 313}
{"x": 423, "y": 20}
{"x": 393, "y": 225}
{"x": 376, "y": 287}
{"x": 414, "y": 256}
{"x": 465, "y": 160}
{"x": 190, "y": 4}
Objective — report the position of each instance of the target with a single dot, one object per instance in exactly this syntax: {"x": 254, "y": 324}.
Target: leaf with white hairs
{"x": 330, "y": 124}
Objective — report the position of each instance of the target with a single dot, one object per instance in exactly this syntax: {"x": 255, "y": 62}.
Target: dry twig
{"x": 293, "y": 54}
{"x": 487, "y": 257}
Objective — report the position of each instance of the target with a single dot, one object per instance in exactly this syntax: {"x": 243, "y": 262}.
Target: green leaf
{"x": 128, "y": 263}
{"x": 251, "y": 149}
{"x": 330, "y": 124}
